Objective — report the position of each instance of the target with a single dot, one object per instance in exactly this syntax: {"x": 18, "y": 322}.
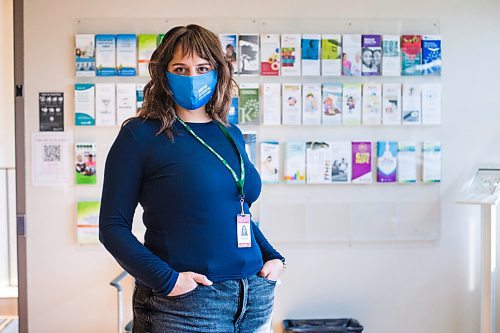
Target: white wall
{"x": 6, "y": 140}
{"x": 390, "y": 288}
{"x": 6, "y": 85}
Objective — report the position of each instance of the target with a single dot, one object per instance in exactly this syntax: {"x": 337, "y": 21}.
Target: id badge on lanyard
{"x": 243, "y": 224}
{"x": 243, "y": 228}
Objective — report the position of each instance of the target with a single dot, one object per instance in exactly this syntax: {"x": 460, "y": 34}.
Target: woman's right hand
{"x": 188, "y": 281}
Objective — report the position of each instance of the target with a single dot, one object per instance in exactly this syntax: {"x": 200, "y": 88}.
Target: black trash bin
{"x": 323, "y": 325}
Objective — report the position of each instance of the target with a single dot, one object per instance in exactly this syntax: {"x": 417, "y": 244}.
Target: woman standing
{"x": 204, "y": 265}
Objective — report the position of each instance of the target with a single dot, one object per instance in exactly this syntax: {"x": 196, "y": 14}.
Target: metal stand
{"x": 116, "y": 283}
{"x": 488, "y": 267}
{"x": 483, "y": 188}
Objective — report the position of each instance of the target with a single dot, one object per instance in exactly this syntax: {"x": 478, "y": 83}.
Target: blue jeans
{"x": 232, "y": 306}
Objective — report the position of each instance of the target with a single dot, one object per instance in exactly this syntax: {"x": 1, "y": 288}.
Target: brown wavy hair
{"x": 192, "y": 39}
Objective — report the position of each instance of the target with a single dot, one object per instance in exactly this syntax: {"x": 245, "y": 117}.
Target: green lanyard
{"x": 239, "y": 182}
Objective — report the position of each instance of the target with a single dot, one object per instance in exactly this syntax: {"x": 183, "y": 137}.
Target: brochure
{"x": 85, "y": 163}
{"x": 146, "y": 44}
{"x": 87, "y": 226}
{"x": 331, "y": 55}
{"x": 270, "y": 54}
{"x": 412, "y": 104}
{"x": 431, "y": 172}
{"x": 391, "y": 55}
{"x": 84, "y": 104}
{"x": 311, "y": 107}
{"x": 391, "y": 104}
{"x": 233, "y": 114}
{"x": 372, "y": 103}
{"x": 292, "y": 104}
{"x": 85, "y": 54}
{"x": 371, "y": 55}
{"x": 311, "y": 65}
{"x": 407, "y": 162}
{"x": 411, "y": 52}
{"x": 271, "y": 104}
{"x": 160, "y": 39}
{"x": 295, "y": 163}
{"x": 351, "y": 56}
{"x": 105, "y": 104}
{"x": 387, "y": 162}
{"x": 249, "y": 54}
{"x": 229, "y": 43}
{"x": 105, "y": 55}
{"x": 351, "y": 106}
{"x": 318, "y": 162}
{"x": 139, "y": 95}
{"x": 362, "y": 162}
{"x": 341, "y": 161}
{"x": 431, "y": 55}
{"x": 270, "y": 162}
{"x": 431, "y": 103}
{"x": 290, "y": 54}
{"x": 251, "y": 145}
{"x": 126, "y": 104}
{"x": 249, "y": 104}
{"x": 126, "y": 55}
{"x": 332, "y": 104}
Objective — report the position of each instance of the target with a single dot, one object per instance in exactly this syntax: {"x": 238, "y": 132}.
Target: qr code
{"x": 52, "y": 153}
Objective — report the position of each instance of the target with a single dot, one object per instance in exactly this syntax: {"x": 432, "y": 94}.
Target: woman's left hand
{"x": 272, "y": 269}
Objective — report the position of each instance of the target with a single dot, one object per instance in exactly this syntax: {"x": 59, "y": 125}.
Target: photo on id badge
{"x": 243, "y": 230}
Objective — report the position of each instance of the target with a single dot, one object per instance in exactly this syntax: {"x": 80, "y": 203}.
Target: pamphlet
{"x": 88, "y": 222}
{"x": 371, "y": 55}
{"x": 271, "y": 104}
{"x": 249, "y": 104}
{"x": 387, "y": 152}
{"x": 295, "y": 163}
{"x": 270, "y": 162}
{"x": 249, "y": 54}
{"x": 351, "y": 106}
{"x": 146, "y": 44}
{"x": 85, "y": 163}
{"x": 126, "y": 104}
{"x": 105, "y": 104}
{"x": 85, "y": 54}
{"x": 412, "y": 104}
{"x": 332, "y": 104}
{"x": 372, "y": 103}
{"x": 311, "y": 65}
{"x": 84, "y": 104}
{"x": 362, "y": 162}
{"x": 105, "y": 55}
{"x": 391, "y": 104}
{"x": 351, "y": 57}
{"x": 126, "y": 55}
{"x": 292, "y": 104}
{"x": 270, "y": 54}
{"x": 331, "y": 55}
{"x": 229, "y": 43}
{"x": 290, "y": 54}
{"x": 311, "y": 100}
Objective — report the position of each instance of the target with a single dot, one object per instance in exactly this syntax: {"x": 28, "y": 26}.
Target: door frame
{"x": 20, "y": 150}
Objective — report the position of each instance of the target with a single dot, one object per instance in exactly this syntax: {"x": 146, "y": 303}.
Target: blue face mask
{"x": 192, "y": 92}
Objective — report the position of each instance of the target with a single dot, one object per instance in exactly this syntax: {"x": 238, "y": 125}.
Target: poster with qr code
{"x": 50, "y": 154}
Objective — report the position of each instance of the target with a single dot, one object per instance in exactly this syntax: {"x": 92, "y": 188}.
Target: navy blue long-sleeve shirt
{"x": 190, "y": 203}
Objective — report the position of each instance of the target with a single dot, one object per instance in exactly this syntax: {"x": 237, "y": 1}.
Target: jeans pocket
{"x": 271, "y": 282}
{"x": 181, "y": 296}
